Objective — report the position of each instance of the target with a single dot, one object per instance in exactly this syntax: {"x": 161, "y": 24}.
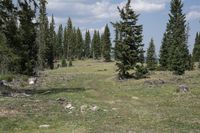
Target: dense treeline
{"x": 29, "y": 42}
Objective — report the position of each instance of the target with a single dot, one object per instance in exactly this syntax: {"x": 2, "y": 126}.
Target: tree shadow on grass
{"x": 8, "y": 91}
{"x": 53, "y": 90}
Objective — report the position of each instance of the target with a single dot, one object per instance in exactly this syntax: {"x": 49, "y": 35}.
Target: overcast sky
{"x": 94, "y": 14}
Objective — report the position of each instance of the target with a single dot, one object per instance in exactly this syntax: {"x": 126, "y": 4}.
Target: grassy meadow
{"x": 102, "y": 104}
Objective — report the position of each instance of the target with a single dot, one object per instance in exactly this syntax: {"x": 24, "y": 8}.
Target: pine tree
{"x": 107, "y": 45}
{"x": 196, "y": 50}
{"x": 70, "y": 40}
{"x": 29, "y": 49}
{"x": 96, "y": 48}
{"x": 50, "y": 44}
{"x": 8, "y": 27}
{"x": 130, "y": 44}
{"x": 59, "y": 46}
{"x": 6, "y": 55}
{"x": 80, "y": 43}
{"x": 102, "y": 43}
{"x": 65, "y": 44}
{"x": 87, "y": 44}
{"x": 74, "y": 44}
{"x": 117, "y": 37}
{"x": 42, "y": 35}
{"x": 151, "y": 56}
{"x": 178, "y": 39}
{"x": 164, "y": 52}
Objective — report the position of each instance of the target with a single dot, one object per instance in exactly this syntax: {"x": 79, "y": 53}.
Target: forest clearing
{"x": 101, "y": 103}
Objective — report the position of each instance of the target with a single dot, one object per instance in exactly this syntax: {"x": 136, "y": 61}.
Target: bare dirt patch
{"x": 5, "y": 112}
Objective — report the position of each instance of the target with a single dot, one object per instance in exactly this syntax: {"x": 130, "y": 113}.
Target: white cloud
{"x": 97, "y": 12}
{"x": 193, "y": 15}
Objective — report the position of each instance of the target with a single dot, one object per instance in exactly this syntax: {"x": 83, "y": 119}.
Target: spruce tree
{"x": 70, "y": 40}
{"x": 96, "y": 45}
{"x": 79, "y": 44}
{"x": 107, "y": 45}
{"x": 9, "y": 28}
{"x": 102, "y": 42}
{"x": 65, "y": 44}
{"x": 196, "y": 50}
{"x": 117, "y": 37}
{"x": 87, "y": 44}
{"x": 59, "y": 46}
{"x": 178, "y": 39}
{"x": 29, "y": 49}
{"x": 42, "y": 34}
{"x": 151, "y": 56}
{"x": 130, "y": 44}
{"x": 50, "y": 44}
{"x": 74, "y": 44}
{"x": 164, "y": 52}
{"x": 6, "y": 55}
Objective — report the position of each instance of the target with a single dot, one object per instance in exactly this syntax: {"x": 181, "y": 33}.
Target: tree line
{"x": 29, "y": 43}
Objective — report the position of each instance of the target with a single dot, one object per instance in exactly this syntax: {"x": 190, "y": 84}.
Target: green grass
{"x": 125, "y": 106}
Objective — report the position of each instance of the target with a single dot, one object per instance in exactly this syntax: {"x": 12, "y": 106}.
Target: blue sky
{"x": 94, "y": 14}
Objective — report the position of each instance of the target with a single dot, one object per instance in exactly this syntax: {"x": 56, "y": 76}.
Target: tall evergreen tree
{"x": 70, "y": 40}
{"x": 102, "y": 42}
{"x": 130, "y": 44}
{"x": 65, "y": 44}
{"x": 8, "y": 27}
{"x": 117, "y": 37}
{"x": 29, "y": 49}
{"x": 79, "y": 44}
{"x": 42, "y": 34}
{"x": 151, "y": 56}
{"x": 96, "y": 48}
{"x": 164, "y": 52}
{"x": 196, "y": 50}
{"x": 6, "y": 55}
{"x": 50, "y": 44}
{"x": 179, "y": 39}
{"x": 74, "y": 44}
{"x": 107, "y": 44}
{"x": 59, "y": 46}
{"x": 87, "y": 44}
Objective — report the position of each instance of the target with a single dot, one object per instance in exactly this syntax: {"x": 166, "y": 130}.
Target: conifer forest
{"x": 60, "y": 77}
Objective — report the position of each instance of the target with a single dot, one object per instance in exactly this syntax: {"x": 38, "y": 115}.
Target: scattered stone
{"x": 114, "y": 109}
{"x": 32, "y": 81}
{"x": 44, "y": 126}
{"x": 95, "y": 108}
{"x": 68, "y": 106}
{"x": 83, "y": 108}
{"x": 183, "y": 88}
{"x": 135, "y": 98}
{"x": 60, "y": 100}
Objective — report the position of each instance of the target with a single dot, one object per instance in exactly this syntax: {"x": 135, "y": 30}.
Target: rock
{"x": 94, "y": 108}
{"x": 1, "y": 83}
{"x": 135, "y": 98}
{"x": 68, "y": 106}
{"x": 83, "y": 108}
{"x": 60, "y": 100}
{"x": 32, "y": 81}
{"x": 44, "y": 126}
{"x": 183, "y": 88}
